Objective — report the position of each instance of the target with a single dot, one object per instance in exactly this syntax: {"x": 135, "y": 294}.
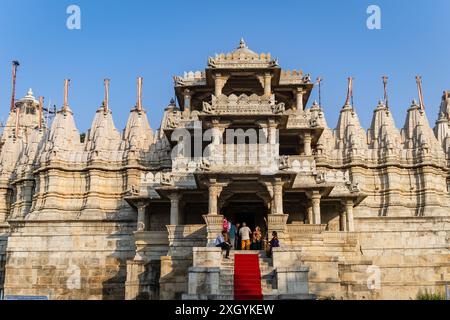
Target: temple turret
{"x": 442, "y": 128}
{"x": 63, "y": 139}
{"x": 383, "y": 136}
{"x": 417, "y": 136}
{"x": 103, "y": 135}
{"x": 350, "y": 136}
{"x": 137, "y": 134}
{"x": 326, "y": 142}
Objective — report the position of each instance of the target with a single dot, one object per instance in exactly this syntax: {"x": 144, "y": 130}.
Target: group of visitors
{"x": 241, "y": 237}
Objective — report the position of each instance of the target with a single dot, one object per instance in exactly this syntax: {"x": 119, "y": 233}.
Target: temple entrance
{"x": 248, "y": 208}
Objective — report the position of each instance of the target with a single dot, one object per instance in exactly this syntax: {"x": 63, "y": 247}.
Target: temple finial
{"x": 419, "y": 88}
{"x": 139, "y": 94}
{"x": 106, "y": 101}
{"x": 242, "y": 44}
{"x": 66, "y": 95}
{"x": 386, "y": 98}
{"x": 349, "y": 91}
{"x": 15, "y": 65}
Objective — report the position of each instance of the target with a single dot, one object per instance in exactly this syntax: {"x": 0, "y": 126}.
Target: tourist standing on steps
{"x": 274, "y": 243}
{"x": 232, "y": 233}
{"x": 245, "y": 233}
{"x": 256, "y": 239}
{"x": 237, "y": 241}
{"x": 222, "y": 241}
{"x": 225, "y": 225}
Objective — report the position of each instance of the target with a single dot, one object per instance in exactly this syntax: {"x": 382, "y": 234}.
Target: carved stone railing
{"x": 303, "y": 119}
{"x": 243, "y": 105}
{"x": 176, "y": 119}
{"x": 191, "y": 78}
{"x": 334, "y": 177}
{"x": 294, "y": 77}
{"x": 242, "y": 60}
{"x": 299, "y": 164}
{"x": 299, "y": 229}
{"x": 242, "y": 157}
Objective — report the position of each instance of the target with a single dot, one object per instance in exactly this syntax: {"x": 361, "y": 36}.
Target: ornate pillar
{"x": 278, "y": 198}
{"x": 141, "y": 208}
{"x": 315, "y": 199}
{"x": 214, "y": 193}
{"x": 343, "y": 220}
{"x": 174, "y": 208}
{"x": 187, "y": 100}
{"x": 220, "y": 81}
{"x": 307, "y": 139}
{"x": 299, "y": 98}
{"x": 309, "y": 212}
{"x": 267, "y": 84}
{"x": 349, "y": 210}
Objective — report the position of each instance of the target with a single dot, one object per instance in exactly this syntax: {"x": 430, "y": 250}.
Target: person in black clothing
{"x": 237, "y": 239}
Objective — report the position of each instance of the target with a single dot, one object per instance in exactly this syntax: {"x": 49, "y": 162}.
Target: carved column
{"x": 214, "y": 193}
{"x": 315, "y": 199}
{"x": 278, "y": 198}
{"x": 187, "y": 100}
{"x": 309, "y": 212}
{"x": 174, "y": 208}
{"x": 349, "y": 210}
{"x": 267, "y": 84}
{"x": 343, "y": 220}
{"x": 141, "y": 208}
{"x": 307, "y": 139}
{"x": 299, "y": 98}
{"x": 220, "y": 81}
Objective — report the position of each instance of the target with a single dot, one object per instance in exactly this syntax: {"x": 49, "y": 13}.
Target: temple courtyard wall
{"x": 97, "y": 259}
{"x": 69, "y": 259}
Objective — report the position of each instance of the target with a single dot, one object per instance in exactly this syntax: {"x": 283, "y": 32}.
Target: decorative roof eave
{"x": 242, "y": 58}
{"x": 242, "y": 63}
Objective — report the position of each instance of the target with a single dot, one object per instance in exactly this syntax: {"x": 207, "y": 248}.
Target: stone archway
{"x": 246, "y": 201}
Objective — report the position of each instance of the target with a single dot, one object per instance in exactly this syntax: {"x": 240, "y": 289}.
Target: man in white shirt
{"x": 244, "y": 233}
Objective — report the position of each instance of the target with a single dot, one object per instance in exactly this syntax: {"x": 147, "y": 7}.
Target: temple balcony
{"x": 253, "y": 105}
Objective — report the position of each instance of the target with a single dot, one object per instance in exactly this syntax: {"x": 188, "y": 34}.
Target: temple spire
{"x": 106, "y": 101}
{"x": 15, "y": 65}
{"x": 139, "y": 94}
{"x": 349, "y": 91}
{"x": 66, "y": 95}
{"x": 419, "y": 88}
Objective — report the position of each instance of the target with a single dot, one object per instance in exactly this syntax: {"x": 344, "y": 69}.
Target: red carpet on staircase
{"x": 247, "y": 277}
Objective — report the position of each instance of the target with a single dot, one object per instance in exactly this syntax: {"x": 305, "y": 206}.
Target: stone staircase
{"x": 268, "y": 277}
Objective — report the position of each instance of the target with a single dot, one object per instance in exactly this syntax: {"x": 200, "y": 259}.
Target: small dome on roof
{"x": 244, "y": 50}
{"x": 28, "y": 97}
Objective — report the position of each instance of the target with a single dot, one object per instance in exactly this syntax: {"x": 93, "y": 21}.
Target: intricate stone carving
{"x": 242, "y": 105}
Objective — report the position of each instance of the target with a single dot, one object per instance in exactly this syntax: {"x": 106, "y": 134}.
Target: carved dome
{"x": 244, "y": 50}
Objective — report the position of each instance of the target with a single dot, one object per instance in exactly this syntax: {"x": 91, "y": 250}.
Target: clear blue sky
{"x": 158, "y": 39}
